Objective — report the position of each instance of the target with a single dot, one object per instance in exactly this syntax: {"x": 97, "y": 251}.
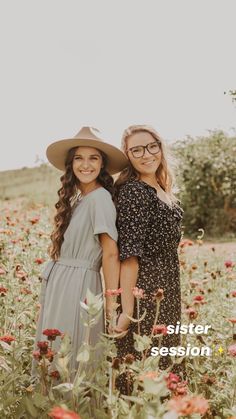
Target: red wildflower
{"x": 60, "y": 413}
{"x": 229, "y": 264}
{"x": 43, "y": 347}
{"x": 186, "y": 242}
{"x": 192, "y": 313}
{"x": 198, "y": 298}
{"x": 34, "y": 220}
{"x": 39, "y": 261}
{"x": 51, "y": 333}
{"x": 138, "y": 292}
{"x": 158, "y": 294}
{"x": 233, "y": 293}
{"x": 54, "y": 374}
{"x": 232, "y": 350}
{"x": 110, "y": 293}
{"x": 25, "y": 291}
{"x": 50, "y": 355}
{"x": 7, "y": 338}
{"x": 159, "y": 329}
{"x": 3, "y": 291}
{"x": 232, "y": 320}
{"x": 2, "y": 272}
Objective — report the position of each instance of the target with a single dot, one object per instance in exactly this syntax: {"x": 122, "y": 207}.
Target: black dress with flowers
{"x": 150, "y": 229}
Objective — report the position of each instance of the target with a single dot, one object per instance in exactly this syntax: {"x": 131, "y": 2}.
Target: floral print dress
{"x": 150, "y": 229}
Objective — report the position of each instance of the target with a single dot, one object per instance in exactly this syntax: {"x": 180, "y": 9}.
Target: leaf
{"x": 30, "y": 408}
{"x": 64, "y": 387}
{"x": 78, "y": 380}
{"x": 171, "y": 415}
{"x": 134, "y": 399}
{"x": 39, "y": 401}
{"x": 83, "y": 354}
{"x": 141, "y": 342}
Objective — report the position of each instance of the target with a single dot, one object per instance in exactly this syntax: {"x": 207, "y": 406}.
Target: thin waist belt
{"x": 79, "y": 263}
{"x": 74, "y": 263}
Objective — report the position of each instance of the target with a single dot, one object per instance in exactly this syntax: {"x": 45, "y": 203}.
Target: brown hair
{"x": 164, "y": 174}
{"x": 67, "y": 197}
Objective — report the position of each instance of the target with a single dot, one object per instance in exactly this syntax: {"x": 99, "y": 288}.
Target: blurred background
{"x": 105, "y": 64}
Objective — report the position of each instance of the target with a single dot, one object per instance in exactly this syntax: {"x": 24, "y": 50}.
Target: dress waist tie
{"x": 73, "y": 263}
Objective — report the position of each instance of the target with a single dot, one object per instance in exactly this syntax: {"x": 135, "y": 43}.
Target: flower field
{"x": 208, "y": 275}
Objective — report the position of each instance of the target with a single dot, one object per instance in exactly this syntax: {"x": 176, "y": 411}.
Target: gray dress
{"x": 66, "y": 281}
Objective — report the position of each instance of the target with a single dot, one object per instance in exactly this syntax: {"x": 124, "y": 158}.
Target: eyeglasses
{"x": 139, "y": 150}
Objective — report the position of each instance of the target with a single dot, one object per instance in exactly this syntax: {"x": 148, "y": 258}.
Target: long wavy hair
{"x": 67, "y": 198}
{"x": 164, "y": 173}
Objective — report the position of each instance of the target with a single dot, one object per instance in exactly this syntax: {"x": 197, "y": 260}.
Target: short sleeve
{"x": 103, "y": 215}
{"x": 133, "y": 215}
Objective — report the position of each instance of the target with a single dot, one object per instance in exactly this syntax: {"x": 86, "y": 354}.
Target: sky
{"x": 109, "y": 64}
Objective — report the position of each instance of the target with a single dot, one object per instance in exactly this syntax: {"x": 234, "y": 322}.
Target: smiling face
{"x": 148, "y": 164}
{"x": 87, "y": 164}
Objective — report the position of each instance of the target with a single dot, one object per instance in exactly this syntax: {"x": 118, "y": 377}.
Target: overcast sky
{"x": 109, "y": 64}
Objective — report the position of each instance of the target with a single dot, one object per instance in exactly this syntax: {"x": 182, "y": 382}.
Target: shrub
{"x": 207, "y": 183}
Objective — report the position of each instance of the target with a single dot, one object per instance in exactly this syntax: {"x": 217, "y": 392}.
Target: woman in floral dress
{"x": 149, "y": 229}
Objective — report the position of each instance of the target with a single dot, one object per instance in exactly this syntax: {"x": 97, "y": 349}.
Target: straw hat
{"x": 87, "y": 137}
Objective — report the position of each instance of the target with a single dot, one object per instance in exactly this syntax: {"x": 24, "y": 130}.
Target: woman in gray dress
{"x": 84, "y": 238}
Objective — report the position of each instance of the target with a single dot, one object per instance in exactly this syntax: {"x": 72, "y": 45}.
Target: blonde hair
{"x": 164, "y": 173}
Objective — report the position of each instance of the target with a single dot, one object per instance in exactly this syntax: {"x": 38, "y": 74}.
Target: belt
{"x": 79, "y": 263}
{"x": 73, "y": 263}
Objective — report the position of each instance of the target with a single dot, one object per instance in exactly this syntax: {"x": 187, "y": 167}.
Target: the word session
{"x": 180, "y": 350}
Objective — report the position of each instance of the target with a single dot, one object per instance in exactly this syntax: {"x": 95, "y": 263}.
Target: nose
{"x": 146, "y": 153}
{"x": 85, "y": 164}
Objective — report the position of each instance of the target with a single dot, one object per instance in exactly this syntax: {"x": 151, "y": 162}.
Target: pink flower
{"x": 229, "y": 264}
{"x": 159, "y": 329}
{"x": 138, "y": 292}
{"x": 39, "y": 261}
{"x": 2, "y": 272}
{"x": 232, "y": 320}
{"x": 149, "y": 374}
{"x": 233, "y": 293}
{"x": 37, "y": 355}
{"x": 110, "y": 293}
{"x": 232, "y": 350}
{"x": 188, "y": 405}
{"x": 60, "y": 413}
{"x": 172, "y": 381}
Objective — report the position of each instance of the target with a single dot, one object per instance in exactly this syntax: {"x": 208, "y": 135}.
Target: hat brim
{"x": 57, "y": 152}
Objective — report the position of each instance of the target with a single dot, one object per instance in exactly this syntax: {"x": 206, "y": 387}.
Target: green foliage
{"x": 207, "y": 183}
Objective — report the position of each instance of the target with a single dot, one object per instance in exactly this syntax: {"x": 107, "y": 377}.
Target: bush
{"x": 207, "y": 183}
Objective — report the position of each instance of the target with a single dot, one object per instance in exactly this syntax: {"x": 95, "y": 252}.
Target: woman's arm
{"x": 110, "y": 267}
{"x": 128, "y": 279}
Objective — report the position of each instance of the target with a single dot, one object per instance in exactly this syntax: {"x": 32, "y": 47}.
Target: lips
{"x": 148, "y": 163}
